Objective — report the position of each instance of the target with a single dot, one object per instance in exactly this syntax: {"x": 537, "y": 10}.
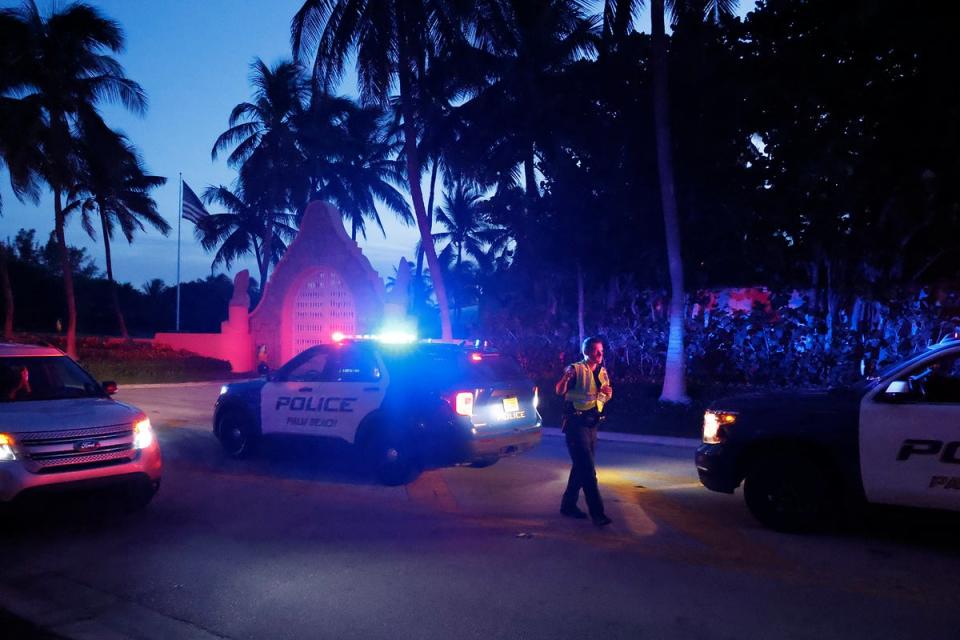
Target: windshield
{"x": 890, "y": 369}
{"x": 44, "y": 378}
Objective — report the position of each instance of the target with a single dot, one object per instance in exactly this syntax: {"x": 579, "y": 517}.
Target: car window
{"x": 308, "y": 367}
{"x": 45, "y": 378}
{"x": 937, "y": 381}
{"x": 355, "y": 363}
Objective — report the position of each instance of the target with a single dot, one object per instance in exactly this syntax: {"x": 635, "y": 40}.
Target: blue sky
{"x": 192, "y": 59}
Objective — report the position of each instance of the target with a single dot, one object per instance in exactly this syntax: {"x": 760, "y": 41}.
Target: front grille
{"x": 71, "y": 450}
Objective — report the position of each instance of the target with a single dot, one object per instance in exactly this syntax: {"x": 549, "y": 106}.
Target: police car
{"x": 59, "y": 429}
{"x": 893, "y": 440}
{"x": 406, "y": 405}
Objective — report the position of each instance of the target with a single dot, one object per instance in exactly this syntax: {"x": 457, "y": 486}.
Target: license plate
{"x": 510, "y": 405}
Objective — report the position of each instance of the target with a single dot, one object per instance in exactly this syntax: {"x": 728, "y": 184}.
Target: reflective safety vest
{"x": 585, "y": 395}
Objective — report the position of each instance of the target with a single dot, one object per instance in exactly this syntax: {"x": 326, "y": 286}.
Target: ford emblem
{"x": 86, "y": 445}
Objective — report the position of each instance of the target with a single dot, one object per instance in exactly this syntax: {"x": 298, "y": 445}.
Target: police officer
{"x": 585, "y": 387}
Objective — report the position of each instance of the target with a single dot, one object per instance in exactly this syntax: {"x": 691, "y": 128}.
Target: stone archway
{"x": 318, "y": 306}
{"x": 322, "y": 284}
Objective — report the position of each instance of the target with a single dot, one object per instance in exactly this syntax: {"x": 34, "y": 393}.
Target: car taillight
{"x": 463, "y": 403}
{"x": 536, "y": 397}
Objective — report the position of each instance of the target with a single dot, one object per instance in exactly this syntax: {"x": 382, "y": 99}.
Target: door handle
{"x": 371, "y": 388}
{"x": 305, "y": 389}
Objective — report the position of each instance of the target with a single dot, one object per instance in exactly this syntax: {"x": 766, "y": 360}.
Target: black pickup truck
{"x": 893, "y": 439}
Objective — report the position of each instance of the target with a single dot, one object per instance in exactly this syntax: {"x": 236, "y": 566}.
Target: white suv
{"x": 59, "y": 429}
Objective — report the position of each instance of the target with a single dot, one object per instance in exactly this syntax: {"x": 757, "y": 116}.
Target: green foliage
{"x": 127, "y": 362}
{"x": 787, "y": 345}
{"x": 37, "y": 288}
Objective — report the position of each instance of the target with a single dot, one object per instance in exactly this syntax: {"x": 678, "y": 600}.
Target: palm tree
{"x": 242, "y": 229}
{"x": 467, "y": 230}
{"x": 361, "y": 171}
{"x": 154, "y": 288}
{"x": 5, "y": 253}
{"x": 674, "y": 379}
{"x": 64, "y": 70}
{"x": 263, "y": 139}
{"x": 468, "y": 233}
{"x": 520, "y": 49}
{"x": 113, "y": 183}
{"x": 392, "y": 40}
{"x": 437, "y": 130}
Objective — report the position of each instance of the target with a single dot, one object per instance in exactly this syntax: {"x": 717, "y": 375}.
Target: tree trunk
{"x": 121, "y": 322}
{"x": 580, "y": 306}
{"x": 831, "y": 306}
{"x": 267, "y": 254}
{"x": 67, "y": 275}
{"x": 418, "y": 283}
{"x": 416, "y": 194}
{"x": 674, "y": 378}
{"x": 7, "y": 294}
{"x": 530, "y": 176}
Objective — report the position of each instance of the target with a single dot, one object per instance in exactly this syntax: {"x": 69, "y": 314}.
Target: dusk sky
{"x": 192, "y": 59}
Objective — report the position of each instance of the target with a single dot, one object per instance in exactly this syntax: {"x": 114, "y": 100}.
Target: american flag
{"x": 192, "y": 207}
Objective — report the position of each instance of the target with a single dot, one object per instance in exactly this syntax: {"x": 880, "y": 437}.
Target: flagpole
{"x": 179, "y": 224}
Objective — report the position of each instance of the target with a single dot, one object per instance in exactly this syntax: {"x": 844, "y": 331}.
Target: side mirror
{"x": 897, "y": 391}
{"x": 109, "y": 387}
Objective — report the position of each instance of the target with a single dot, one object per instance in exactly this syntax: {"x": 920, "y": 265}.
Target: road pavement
{"x": 299, "y": 543}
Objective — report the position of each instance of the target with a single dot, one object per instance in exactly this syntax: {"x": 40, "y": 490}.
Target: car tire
{"x": 392, "y": 459}
{"x": 788, "y": 493}
{"x": 137, "y": 495}
{"x": 483, "y": 463}
{"x": 237, "y": 434}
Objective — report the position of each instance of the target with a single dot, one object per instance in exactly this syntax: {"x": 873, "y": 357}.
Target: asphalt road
{"x": 298, "y": 543}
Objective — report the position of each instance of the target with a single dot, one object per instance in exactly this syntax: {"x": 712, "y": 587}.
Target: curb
{"x": 611, "y": 436}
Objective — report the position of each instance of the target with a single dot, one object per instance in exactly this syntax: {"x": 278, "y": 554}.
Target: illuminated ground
{"x": 298, "y": 544}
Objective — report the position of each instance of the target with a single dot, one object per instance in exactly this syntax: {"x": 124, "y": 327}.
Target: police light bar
{"x": 386, "y": 337}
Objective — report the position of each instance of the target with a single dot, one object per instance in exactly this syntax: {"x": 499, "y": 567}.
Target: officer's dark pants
{"x": 581, "y": 435}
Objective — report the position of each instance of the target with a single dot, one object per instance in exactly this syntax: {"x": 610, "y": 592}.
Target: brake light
{"x": 463, "y": 403}
{"x": 536, "y": 397}
{"x": 476, "y": 357}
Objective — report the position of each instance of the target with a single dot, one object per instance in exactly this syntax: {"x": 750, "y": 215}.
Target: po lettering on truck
{"x": 309, "y": 403}
{"x": 944, "y": 482}
{"x": 949, "y": 452}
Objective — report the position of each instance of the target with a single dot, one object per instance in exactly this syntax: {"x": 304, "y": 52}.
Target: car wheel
{"x": 483, "y": 463}
{"x": 392, "y": 459}
{"x": 236, "y": 433}
{"x": 138, "y": 495}
{"x": 789, "y": 494}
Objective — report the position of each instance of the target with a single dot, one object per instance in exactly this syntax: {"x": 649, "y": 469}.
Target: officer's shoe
{"x": 602, "y": 521}
{"x": 573, "y": 512}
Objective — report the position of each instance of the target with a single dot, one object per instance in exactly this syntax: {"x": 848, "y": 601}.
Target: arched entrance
{"x": 321, "y": 305}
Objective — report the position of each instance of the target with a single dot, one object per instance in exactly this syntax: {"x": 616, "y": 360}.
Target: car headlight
{"x": 142, "y": 434}
{"x": 6, "y": 448}
{"x": 715, "y": 425}
{"x": 224, "y": 389}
